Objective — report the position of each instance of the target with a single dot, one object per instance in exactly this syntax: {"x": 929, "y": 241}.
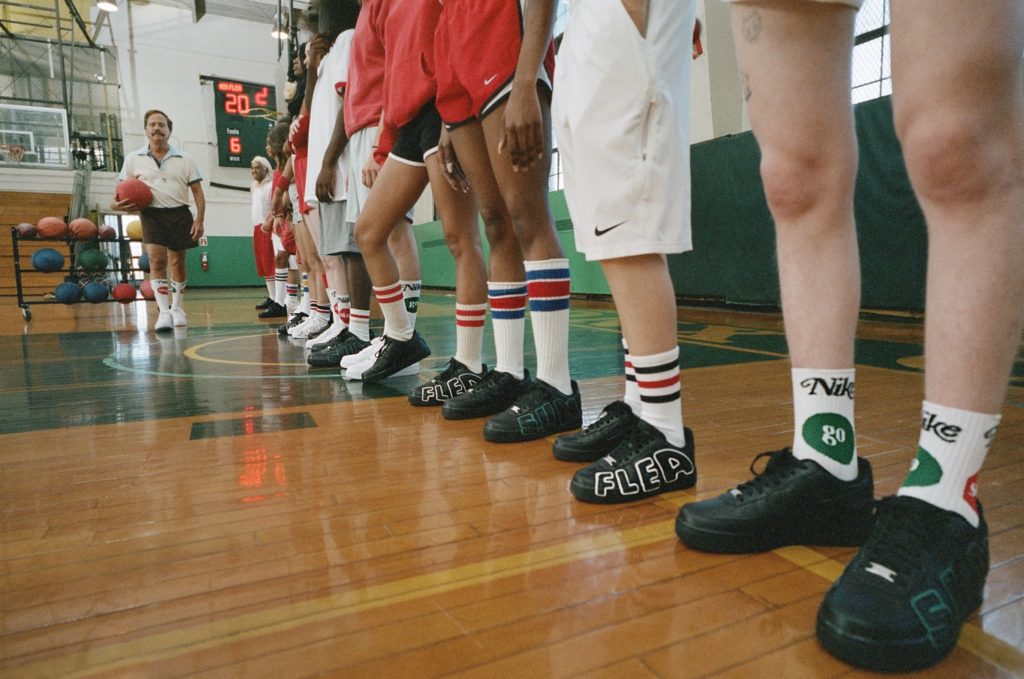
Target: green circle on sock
{"x": 830, "y": 434}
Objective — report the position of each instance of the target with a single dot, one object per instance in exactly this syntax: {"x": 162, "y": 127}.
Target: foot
{"x": 599, "y": 437}
{"x": 491, "y": 395}
{"x": 364, "y": 355}
{"x": 293, "y": 321}
{"x": 178, "y": 315}
{"x": 329, "y": 355}
{"x": 273, "y": 310}
{"x": 311, "y": 327}
{"x": 540, "y": 411}
{"x": 394, "y": 356}
{"x": 792, "y": 502}
{"x": 453, "y": 380}
{"x": 333, "y": 330}
{"x": 644, "y": 464}
{"x": 900, "y": 604}
{"x": 165, "y": 321}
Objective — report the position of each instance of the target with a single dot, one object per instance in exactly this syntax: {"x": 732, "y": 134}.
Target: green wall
{"x": 733, "y": 260}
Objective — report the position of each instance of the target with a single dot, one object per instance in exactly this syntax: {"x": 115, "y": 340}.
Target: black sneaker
{"x": 599, "y": 437}
{"x": 265, "y": 304}
{"x": 329, "y": 354}
{"x": 297, "y": 317}
{"x": 540, "y": 411}
{"x": 273, "y": 310}
{"x": 901, "y": 602}
{"x": 791, "y": 502}
{"x": 642, "y": 465}
{"x": 454, "y": 380}
{"x": 394, "y": 355}
{"x": 492, "y": 394}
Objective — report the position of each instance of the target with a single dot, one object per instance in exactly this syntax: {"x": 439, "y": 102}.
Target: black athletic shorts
{"x": 168, "y": 226}
{"x": 419, "y": 138}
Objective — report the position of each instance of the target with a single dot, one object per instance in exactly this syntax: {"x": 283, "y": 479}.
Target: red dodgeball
{"x": 135, "y": 191}
{"x": 51, "y": 227}
{"x": 107, "y": 232}
{"x": 124, "y": 293}
{"x": 82, "y": 228}
{"x": 26, "y": 230}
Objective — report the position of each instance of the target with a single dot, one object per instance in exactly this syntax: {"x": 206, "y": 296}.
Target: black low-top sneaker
{"x": 328, "y": 354}
{"x": 901, "y": 602}
{"x": 542, "y": 410}
{"x": 297, "y": 317}
{"x": 395, "y": 355}
{"x": 492, "y": 394}
{"x": 642, "y": 465}
{"x": 273, "y": 310}
{"x": 264, "y": 304}
{"x": 599, "y": 437}
{"x": 454, "y": 380}
{"x": 791, "y": 502}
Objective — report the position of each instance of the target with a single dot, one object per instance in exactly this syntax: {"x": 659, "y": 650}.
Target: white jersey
{"x": 261, "y": 200}
{"x": 328, "y": 96}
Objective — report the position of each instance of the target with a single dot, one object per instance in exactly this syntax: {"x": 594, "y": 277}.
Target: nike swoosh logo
{"x": 488, "y": 81}
{"x": 601, "y": 232}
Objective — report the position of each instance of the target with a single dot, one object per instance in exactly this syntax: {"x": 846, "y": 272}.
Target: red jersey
{"x": 364, "y": 97}
{"x": 406, "y": 29}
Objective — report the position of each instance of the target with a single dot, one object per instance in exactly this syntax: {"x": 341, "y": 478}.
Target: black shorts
{"x": 419, "y": 137}
{"x": 170, "y": 227}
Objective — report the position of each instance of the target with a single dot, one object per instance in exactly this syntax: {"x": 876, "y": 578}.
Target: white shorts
{"x": 360, "y": 147}
{"x": 621, "y": 117}
{"x": 276, "y": 240}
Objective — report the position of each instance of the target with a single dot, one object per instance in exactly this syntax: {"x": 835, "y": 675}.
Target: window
{"x": 871, "y": 72}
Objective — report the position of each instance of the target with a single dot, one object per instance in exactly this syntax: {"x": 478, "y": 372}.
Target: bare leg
{"x": 459, "y": 221}
{"x": 396, "y": 189}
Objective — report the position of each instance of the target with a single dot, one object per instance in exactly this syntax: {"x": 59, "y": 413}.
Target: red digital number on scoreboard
{"x": 235, "y": 145}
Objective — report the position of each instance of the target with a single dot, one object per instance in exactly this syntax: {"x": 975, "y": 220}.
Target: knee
{"x": 799, "y": 182}
{"x": 497, "y": 225}
{"x": 369, "y": 239}
{"x": 952, "y": 157}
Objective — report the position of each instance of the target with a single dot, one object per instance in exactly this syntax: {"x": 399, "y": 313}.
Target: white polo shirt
{"x": 169, "y": 179}
{"x": 327, "y": 100}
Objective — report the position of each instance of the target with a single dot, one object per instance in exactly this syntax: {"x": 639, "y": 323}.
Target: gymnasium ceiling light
{"x": 107, "y": 5}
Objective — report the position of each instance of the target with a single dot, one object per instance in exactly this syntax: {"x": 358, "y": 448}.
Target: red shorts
{"x": 263, "y": 250}
{"x": 469, "y": 78}
{"x": 287, "y": 236}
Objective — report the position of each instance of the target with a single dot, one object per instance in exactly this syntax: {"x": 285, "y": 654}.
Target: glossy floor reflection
{"x": 201, "y": 504}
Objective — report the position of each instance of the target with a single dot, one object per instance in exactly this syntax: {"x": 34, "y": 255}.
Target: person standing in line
{"x": 626, "y": 161}
{"x": 496, "y": 105}
{"x": 168, "y": 227}
{"x": 262, "y": 242}
{"x": 959, "y": 115}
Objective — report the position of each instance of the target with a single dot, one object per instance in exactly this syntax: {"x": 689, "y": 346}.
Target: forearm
{"x": 200, "y": 199}
{"x": 538, "y": 22}
{"x": 339, "y": 140}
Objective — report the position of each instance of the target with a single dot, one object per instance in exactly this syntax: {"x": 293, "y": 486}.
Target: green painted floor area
{"x": 74, "y": 379}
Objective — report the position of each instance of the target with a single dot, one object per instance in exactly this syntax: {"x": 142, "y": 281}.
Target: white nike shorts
{"x": 360, "y": 147}
{"x": 621, "y": 120}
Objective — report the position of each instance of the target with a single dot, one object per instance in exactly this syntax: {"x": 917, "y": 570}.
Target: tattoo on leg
{"x": 746, "y": 86}
{"x": 752, "y": 26}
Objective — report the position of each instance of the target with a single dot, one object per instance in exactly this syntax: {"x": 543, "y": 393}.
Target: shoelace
{"x": 900, "y": 536}
{"x": 781, "y": 465}
{"x": 447, "y": 374}
{"x": 605, "y": 419}
{"x": 387, "y": 341}
{"x": 631, "y": 445}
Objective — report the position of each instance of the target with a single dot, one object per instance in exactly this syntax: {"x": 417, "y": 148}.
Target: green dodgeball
{"x": 924, "y": 471}
{"x": 830, "y": 434}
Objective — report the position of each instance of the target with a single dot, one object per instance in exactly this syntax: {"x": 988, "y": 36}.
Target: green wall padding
{"x": 232, "y": 263}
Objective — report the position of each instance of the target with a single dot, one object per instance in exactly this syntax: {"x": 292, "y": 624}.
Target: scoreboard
{"x": 244, "y": 113}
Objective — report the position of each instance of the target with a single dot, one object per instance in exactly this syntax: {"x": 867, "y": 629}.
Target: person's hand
{"x": 450, "y": 163}
{"x": 523, "y": 137}
{"x": 370, "y": 171}
{"x": 197, "y": 229}
{"x": 317, "y": 48}
{"x": 325, "y": 183}
{"x": 268, "y": 224}
{"x": 123, "y": 206}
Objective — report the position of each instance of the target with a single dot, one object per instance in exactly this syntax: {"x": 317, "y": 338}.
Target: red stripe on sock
{"x": 557, "y": 288}
{"x": 512, "y": 302}
{"x": 657, "y": 384}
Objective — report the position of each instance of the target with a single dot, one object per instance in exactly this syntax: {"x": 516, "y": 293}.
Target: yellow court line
{"x": 193, "y": 352}
{"x": 166, "y": 645}
{"x": 988, "y": 648}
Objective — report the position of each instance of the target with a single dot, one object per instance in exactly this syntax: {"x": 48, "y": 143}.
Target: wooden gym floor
{"x": 201, "y": 504}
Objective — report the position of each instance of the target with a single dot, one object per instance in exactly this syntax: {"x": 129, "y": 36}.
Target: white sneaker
{"x": 179, "y": 317}
{"x": 327, "y": 335}
{"x": 356, "y": 371}
{"x": 305, "y": 321}
{"x": 362, "y": 356}
{"x": 165, "y": 321}
{"x": 312, "y": 326}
